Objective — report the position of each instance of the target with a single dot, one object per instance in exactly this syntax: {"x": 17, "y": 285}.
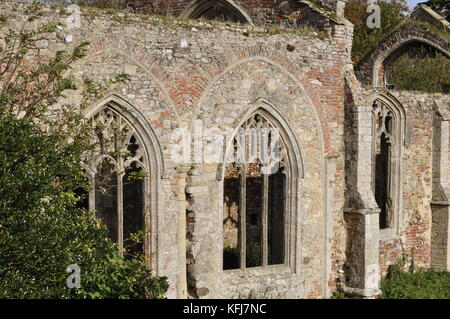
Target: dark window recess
{"x": 254, "y": 221}
{"x": 276, "y": 231}
{"x": 384, "y": 139}
{"x": 382, "y": 180}
{"x": 106, "y": 198}
{"x": 254, "y": 200}
{"x": 133, "y": 212}
{"x": 218, "y": 10}
{"x": 231, "y": 235}
{"x": 81, "y": 193}
{"x": 119, "y": 199}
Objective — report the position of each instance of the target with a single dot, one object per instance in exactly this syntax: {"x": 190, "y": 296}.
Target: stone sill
{"x": 440, "y": 203}
{"x": 280, "y": 271}
{"x": 362, "y": 292}
{"x": 388, "y": 233}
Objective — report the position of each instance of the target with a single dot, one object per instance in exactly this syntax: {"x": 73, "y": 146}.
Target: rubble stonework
{"x": 183, "y": 70}
{"x": 371, "y": 70}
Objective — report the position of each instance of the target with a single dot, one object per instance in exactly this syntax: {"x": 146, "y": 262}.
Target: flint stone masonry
{"x": 181, "y": 71}
{"x": 414, "y": 234}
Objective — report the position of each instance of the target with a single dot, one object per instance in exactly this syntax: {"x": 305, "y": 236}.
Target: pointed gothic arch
{"x": 261, "y": 171}
{"x": 370, "y": 70}
{"x": 389, "y": 139}
{"x": 270, "y": 112}
{"x": 124, "y": 167}
{"x": 224, "y": 10}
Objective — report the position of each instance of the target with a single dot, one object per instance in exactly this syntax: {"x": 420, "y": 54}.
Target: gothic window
{"x": 117, "y": 166}
{"x": 386, "y": 158}
{"x": 255, "y": 191}
{"x": 221, "y": 10}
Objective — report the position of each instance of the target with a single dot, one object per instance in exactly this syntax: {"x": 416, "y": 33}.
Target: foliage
{"x": 104, "y": 4}
{"x": 423, "y": 284}
{"x": 365, "y": 39}
{"x": 405, "y": 72}
{"x": 253, "y": 255}
{"x": 415, "y": 73}
{"x": 41, "y": 229}
{"x": 338, "y": 295}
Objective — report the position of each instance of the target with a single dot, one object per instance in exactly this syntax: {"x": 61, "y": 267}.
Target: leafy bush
{"x": 253, "y": 255}
{"x": 253, "y": 252}
{"x": 338, "y": 295}
{"x": 423, "y": 284}
{"x": 414, "y": 73}
{"x": 418, "y": 74}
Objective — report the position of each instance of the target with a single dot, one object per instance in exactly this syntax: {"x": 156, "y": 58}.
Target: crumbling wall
{"x": 180, "y": 71}
{"x": 413, "y": 241}
{"x": 259, "y": 12}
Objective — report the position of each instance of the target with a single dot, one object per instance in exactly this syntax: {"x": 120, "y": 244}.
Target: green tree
{"x": 420, "y": 74}
{"x": 41, "y": 229}
{"x": 366, "y": 39}
{"x": 405, "y": 72}
{"x": 420, "y": 284}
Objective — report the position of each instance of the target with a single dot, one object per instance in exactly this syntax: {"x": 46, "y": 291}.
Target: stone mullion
{"x": 242, "y": 219}
{"x": 374, "y": 149}
{"x": 120, "y": 175}
{"x": 92, "y": 194}
{"x": 264, "y": 220}
{"x": 120, "y": 211}
{"x": 181, "y": 177}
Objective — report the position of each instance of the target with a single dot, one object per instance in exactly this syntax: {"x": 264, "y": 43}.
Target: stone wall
{"x": 410, "y": 239}
{"x": 258, "y": 12}
{"x": 413, "y": 239}
{"x": 182, "y": 71}
{"x": 219, "y": 74}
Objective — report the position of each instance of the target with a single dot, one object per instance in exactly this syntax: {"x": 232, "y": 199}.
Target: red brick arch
{"x": 370, "y": 71}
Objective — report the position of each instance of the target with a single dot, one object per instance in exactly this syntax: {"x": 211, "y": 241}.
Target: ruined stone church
{"x": 364, "y": 176}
